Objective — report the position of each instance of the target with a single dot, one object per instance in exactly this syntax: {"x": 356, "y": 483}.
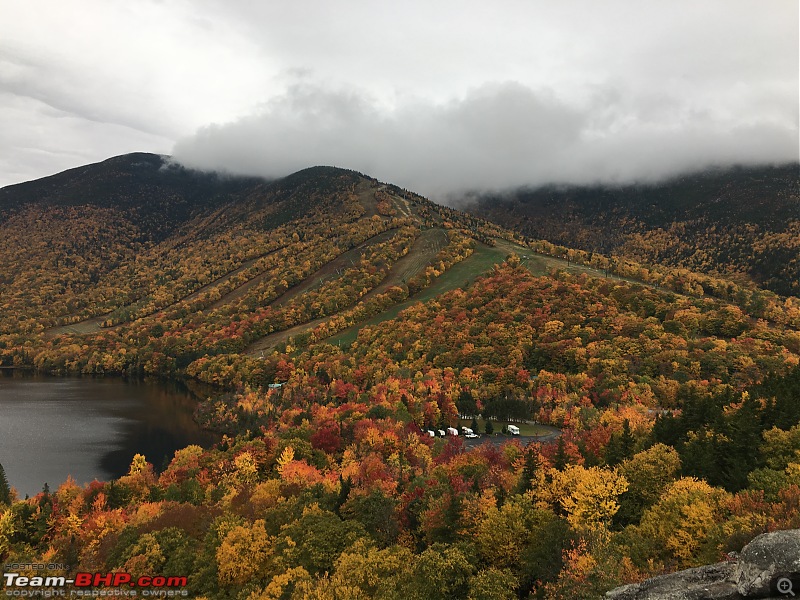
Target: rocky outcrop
{"x": 709, "y": 582}
{"x": 767, "y": 560}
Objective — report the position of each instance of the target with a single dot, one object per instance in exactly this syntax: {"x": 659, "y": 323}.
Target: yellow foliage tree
{"x": 683, "y": 525}
{"x": 246, "y": 469}
{"x": 648, "y": 474}
{"x": 296, "y": 578}
{"x": 245, "y": 554}
{"x": 588, "y": 496}
{"x": 285, "y": 458}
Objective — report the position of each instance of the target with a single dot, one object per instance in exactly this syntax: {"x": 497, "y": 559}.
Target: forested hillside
{"x": 341, "y": 320}
{"x": 741, "y": 223}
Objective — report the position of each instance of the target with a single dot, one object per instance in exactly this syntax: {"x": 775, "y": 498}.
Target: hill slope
{"x": 147, "y": 190}
{"x": 341, "y": 319}
{"x": 742, "y": 223}
{"x": 137, "y": 248}
{"x": 136, "y": 241}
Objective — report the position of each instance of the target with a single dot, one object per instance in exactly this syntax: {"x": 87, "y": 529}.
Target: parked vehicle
{"x": 468, "y": 433}
{"x": 513, "y": 429}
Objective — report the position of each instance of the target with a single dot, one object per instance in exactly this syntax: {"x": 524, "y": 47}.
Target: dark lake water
{"x": 89, "y": 428}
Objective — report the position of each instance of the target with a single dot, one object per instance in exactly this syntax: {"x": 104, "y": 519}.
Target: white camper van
{"x": 513, "y": 429}
{"x": 468, "y": 433}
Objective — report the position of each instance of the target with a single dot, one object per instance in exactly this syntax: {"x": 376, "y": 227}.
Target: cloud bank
{"x": 498, "y": 136}
{"x": 436, "y": 96}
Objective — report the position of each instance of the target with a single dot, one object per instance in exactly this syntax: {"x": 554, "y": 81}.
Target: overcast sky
{"x": 435, "y": 95}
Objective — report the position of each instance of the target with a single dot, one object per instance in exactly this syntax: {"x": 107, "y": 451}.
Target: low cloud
{"x": 435, "y": 96}
{"x": 498, "y": 136}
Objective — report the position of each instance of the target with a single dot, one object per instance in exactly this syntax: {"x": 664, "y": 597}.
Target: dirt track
{"x": 94, "y": 324}
{"x": 422, "y": 252}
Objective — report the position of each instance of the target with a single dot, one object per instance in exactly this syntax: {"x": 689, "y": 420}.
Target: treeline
{"x": 739, "y": 224}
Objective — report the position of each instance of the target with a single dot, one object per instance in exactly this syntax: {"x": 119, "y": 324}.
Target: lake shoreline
{"x": 91, "y": 427}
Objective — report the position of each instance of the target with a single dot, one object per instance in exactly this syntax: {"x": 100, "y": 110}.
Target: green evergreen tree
{"x": 529, "y": 469}
{"x": 466, "y": 404}
{"x": 628, "y": 441}
{"x": 488, "y": 428}
{"x": 621, "y": 445}
{"x": 5, "y": 489}
{"x": 345, "y": 485}
{"x": 560, "y": 458}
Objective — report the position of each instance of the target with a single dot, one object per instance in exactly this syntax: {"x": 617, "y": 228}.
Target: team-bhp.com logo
{"x": 86, "y": 584}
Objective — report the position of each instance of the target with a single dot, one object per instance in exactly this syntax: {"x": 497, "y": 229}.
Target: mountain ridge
{"x": 83, "y": 218}
{"x": 742, "y": 222}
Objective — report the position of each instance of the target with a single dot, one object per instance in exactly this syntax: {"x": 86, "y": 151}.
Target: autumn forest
{"x": 342, "y": 322}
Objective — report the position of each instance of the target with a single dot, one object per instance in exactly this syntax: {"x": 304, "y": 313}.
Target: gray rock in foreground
{"x": 712, "y": 582}
{"x": 760, "y": 563}
{"x": 766, "y": 558}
